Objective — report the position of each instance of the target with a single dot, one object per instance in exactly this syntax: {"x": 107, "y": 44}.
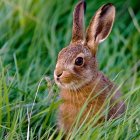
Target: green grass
{"x": 32, "y": 32}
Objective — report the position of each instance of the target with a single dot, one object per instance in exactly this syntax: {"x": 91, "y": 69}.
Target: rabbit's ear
{"x": 100, "y": 26}
{"x": 78, "y": 22}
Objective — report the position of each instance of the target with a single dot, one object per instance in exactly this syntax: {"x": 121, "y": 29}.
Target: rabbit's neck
{"x": 92, "y": 95}
{"x": 93, "y": 88}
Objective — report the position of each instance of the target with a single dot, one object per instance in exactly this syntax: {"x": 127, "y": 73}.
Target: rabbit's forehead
{"x": 71, "y": 52}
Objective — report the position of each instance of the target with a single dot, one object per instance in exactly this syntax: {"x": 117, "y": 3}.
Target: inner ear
{"x": 106, "y": 20}
{"x": 78, "y": 22}
{"x": 100, "y": 26}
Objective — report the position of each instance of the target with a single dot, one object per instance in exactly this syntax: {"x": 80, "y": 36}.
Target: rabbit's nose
{"x": 59, "y": 74}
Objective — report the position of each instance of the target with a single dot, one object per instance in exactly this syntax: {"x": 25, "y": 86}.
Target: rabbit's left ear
{"x": 78, "y": 22}
{"x": 100, "y": 26}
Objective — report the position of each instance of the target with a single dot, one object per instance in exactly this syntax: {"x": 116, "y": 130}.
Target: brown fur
{"x": 80, "y": 84}
{"x": 73, "y": 101}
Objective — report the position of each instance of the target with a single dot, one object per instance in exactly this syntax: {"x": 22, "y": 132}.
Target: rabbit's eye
{"x": 79, "y": 61}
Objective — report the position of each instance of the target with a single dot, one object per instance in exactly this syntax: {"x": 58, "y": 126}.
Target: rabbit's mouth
{"x": 65, "y": 83}
{"x": 71, "y": 84}
{"x": 71, "y": 81}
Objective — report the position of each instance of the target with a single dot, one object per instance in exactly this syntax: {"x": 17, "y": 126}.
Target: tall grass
{"x": 32, "y": 32}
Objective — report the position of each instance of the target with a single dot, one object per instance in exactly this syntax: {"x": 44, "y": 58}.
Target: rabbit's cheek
{"x": 67, "y": 77}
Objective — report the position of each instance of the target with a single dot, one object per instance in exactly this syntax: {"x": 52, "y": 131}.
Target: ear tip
{"x": 81, "y": 4}
{"x": 108, "y": 6}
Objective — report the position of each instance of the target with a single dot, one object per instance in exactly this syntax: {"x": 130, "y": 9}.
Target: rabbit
{"x": 77, "y": 74}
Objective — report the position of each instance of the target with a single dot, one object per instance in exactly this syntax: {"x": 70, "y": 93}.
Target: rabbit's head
{"x": 76, "y": 65}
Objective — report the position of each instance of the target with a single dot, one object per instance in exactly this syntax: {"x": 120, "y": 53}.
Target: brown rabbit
{"x": 77, "y": 74}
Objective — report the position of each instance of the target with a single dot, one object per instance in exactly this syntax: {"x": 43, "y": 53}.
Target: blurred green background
{"x": 32, "y": 32}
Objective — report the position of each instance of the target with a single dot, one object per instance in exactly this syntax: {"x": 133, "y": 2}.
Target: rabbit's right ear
{"x": 100, "y": 26}
{"x": 78, "y": 22}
